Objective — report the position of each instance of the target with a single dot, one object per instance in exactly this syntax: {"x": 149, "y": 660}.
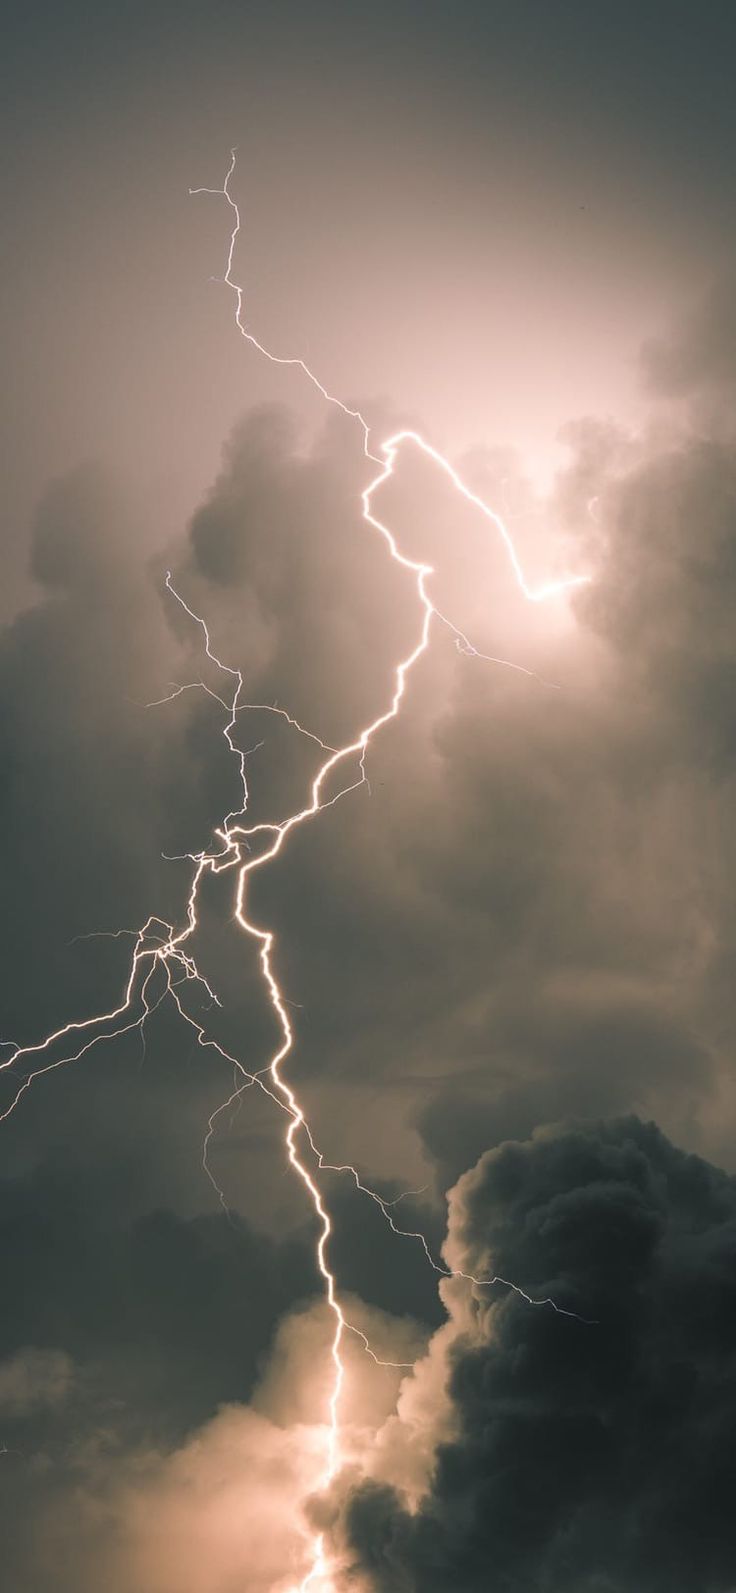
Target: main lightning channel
{"x": 385, "y": 462}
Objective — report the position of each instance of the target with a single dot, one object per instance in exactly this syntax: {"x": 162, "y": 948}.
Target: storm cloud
{"x": 586, "y": 1454}
{"x": 515, "y": 228}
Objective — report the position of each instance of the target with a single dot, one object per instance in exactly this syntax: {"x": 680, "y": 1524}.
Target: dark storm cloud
{"x": 586, "y": 1457}
{"x": 666, "y": 592}
{"x": 93, "y": 788}
{"x": 523, "y": 919}
{"x": 310, "y": 608}
{"x": 528, "y": 917}
{"x": 86, "y": 781}
{"x": 620, "y": 1050}
{"x": 163, "y": 1319}
{"x": 119, "y": 1339}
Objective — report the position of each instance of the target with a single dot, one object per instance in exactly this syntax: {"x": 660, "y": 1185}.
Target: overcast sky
{"x": 507, "y": 956}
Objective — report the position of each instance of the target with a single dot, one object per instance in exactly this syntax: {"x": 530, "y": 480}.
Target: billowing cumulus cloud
{"x": 586, "y": 1455}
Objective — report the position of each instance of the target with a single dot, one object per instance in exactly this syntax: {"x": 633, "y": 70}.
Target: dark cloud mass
{"x": 586, "y": 1456}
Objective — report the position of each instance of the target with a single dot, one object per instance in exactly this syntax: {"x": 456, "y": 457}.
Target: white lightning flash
{"x": 162, "y": 965}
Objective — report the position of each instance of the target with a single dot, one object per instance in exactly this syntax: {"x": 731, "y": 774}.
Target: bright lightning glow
{"x": 162, "y": 964}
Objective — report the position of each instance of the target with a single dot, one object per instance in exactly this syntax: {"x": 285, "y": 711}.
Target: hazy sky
{"x": 475, "y": 211}
{"x": 508, "y": 958}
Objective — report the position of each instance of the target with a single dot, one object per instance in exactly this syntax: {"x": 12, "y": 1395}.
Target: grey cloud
{"x": 94, "y": 788}
{"x": 664, "y": 597}
{"x": 84, "y": 780}
{"x": 120, "y": 1336}
{"x": 180, "y": 1309}
{"x": 32, "y": 1378}
{"x": 300, "y": 588}
{"x": 563, "y": 1059}
{"x": 702, "y": 353}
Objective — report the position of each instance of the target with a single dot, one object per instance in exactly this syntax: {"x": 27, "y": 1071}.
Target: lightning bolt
{"x": 162, "y": 964}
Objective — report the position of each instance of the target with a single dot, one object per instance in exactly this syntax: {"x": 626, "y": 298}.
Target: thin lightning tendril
{"x": 162, "y": 964}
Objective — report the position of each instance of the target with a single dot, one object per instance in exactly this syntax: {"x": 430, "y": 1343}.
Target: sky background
{"x": 511, "y": 961}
